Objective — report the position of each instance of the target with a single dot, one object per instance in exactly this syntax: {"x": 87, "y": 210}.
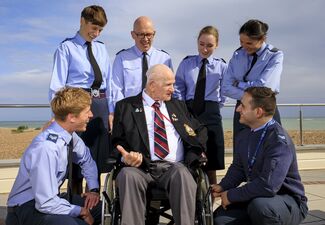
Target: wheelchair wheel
{"x": 110, "y": 205}
{"x": 204, "y": 210}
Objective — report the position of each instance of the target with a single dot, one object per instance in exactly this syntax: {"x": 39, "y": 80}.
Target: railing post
{"x": 300, "y": 125}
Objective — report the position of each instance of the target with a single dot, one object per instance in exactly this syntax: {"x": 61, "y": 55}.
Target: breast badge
{"x": 189, "y": 130}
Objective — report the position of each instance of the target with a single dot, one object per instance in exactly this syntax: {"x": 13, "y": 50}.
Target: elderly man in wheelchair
{"x": 160, "y": 146}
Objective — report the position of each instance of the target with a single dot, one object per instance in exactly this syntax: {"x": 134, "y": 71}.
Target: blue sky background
{"x": 31, "y": 31}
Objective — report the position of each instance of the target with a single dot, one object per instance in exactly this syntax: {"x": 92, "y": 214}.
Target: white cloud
{"x": 29, "y": 40}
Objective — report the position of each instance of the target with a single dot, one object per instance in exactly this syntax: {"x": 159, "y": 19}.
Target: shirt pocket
{"x": 132, "y": 78}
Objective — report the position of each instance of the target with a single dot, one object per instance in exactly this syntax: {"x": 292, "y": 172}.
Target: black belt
{"x": 12, "y": 209}
{"x": 95, "y": 93}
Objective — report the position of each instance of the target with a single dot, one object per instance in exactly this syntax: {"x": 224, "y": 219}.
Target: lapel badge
{"x": 189, "y": 130}
{"x": 138, "y": 110}
{"x": 174, "y": 117}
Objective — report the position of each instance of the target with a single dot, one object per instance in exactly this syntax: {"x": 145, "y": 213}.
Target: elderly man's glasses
{"x": 145, "y": 35}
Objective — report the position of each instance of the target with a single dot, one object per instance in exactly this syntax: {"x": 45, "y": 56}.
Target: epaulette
{"x": 100, "y": 42}
{"x": 120, "y": 51}
{"x": 67, "y": 39}
{"x": 164, "y": 51}
{"x": 52, "y": 137}
{"x": 189, "y": 56}
{"x": 274, "y": 49}
{"x": 281, "y": 136}
{"x": 238, "y": 48}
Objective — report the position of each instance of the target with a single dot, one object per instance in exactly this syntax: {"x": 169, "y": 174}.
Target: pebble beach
{"x": 12, "y": 145}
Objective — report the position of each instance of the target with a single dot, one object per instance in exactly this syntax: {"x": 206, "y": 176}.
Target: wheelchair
{"x": 158, "y": 203}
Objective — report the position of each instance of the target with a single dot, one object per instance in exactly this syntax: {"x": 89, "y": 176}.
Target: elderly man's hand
{"x": 130, "y": 158}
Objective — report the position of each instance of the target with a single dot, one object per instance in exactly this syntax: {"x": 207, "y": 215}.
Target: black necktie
{"x": 199, "y": 103}
{"x": 144, "y": 69}
{"x": 250, "y": 68}
{"x": 69, "y": 170}
{"x": 98, "y": 74}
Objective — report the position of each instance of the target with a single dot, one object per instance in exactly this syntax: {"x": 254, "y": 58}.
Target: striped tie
{"x": 161, "y": 144}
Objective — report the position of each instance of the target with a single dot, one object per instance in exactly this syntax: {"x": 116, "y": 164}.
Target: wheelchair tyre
{"x": 204, "y": 210}
{"x": 110, "y": 205}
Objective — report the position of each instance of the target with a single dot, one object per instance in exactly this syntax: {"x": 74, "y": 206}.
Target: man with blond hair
{"x": 35, "y": 197}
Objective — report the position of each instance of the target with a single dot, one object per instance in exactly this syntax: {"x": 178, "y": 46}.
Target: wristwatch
{"x": 96, "y": 190}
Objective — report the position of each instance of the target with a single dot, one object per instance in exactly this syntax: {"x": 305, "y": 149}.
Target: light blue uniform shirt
{"x": 187, "y": 74}
{"x": 43, "y": 169}
{"x": 127, "y": 70}
{"x": 72, "y": 67}
{"x": 265, "y": 73}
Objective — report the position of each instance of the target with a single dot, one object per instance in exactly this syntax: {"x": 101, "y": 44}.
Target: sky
{"x": 32, "y": 30}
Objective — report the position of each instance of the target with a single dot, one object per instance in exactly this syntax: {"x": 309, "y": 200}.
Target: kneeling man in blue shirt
{"x": 262, "y": 185}
{"x": 35, "y": 197}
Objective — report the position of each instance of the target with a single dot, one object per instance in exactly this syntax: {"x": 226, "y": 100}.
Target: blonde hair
{"x": 209, "y": 30}
{"x": 69, "y": 100}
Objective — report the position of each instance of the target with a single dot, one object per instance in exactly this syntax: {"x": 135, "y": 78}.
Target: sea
{"x": 317, "y": 123}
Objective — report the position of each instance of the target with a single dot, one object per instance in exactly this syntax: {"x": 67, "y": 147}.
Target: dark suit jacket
{"x": 130, "y": 129}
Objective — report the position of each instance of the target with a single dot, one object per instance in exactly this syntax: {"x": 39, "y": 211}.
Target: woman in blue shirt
{"x": 82, "y": 61}
{"x": 198, "y": 82}
{"x": 255, "y": 63}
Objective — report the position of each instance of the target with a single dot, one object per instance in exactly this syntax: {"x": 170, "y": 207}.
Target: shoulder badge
{"x": 189, "y": 130}
{"x": 164, "y": 51}
{"x": 223, "y": 60}
{"x": 67, "y": 39}
{"x": 189, "y": 56}
{"x": 274, "y": 49}
{"x": 120, "y": 51}
{"x": 52, "y": 137}
{"x": 100, "y": 42}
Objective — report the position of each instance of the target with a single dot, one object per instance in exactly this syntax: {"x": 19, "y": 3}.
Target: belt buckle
{"x": 94, "y": 93}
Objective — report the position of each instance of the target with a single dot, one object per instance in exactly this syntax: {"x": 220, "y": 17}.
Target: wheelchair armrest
{"x": 110, "y": 161}
{"x": 203, "y": 160}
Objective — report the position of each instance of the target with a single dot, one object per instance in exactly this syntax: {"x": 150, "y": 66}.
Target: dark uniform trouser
{"x": 211, "y": 118}
{"x": 280, "y": 209}
{"x": 175, "y": 178}
{"x": 237, "y": 126}
{"x": 97, "y": 138}
{"x": 26, "y": 214}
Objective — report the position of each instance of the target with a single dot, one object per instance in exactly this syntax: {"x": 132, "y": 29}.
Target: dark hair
{"x": 254, "y": 29}
{"x": 94, "y": 14}
{"x": 264, "y": 98}
{"x": 210, "y": 30}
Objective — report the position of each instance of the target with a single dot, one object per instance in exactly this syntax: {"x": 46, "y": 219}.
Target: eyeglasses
{"x": 143, "y": 35}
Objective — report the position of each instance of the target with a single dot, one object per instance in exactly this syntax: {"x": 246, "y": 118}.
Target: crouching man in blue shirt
{"x": 265, "y": 160}
{"x": 35, "y": 196}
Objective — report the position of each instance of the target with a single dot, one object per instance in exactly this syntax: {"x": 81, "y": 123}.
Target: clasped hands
{"x": 217, "y": 191}
{"x": 130, "y": 158}
{"x": 92, "y": 199}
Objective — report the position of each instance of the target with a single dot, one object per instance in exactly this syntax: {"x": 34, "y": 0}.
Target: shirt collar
{"x": 199, "y": 58}
{"x": 79, "y": 39}
{"x": 261, "y": 127}
{"x": 139, "y": 52}
{"x": 148, "y": 100}
{"x": 259, "y": 52}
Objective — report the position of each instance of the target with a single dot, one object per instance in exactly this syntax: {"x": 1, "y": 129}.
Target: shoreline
{"x": 13, "y": 145}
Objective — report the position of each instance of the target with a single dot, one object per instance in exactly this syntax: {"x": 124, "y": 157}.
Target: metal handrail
{"x": 300, "y": 105}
